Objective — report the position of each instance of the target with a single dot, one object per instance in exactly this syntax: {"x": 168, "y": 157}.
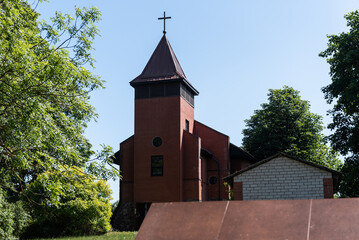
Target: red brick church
{"x": 172, "y": 157}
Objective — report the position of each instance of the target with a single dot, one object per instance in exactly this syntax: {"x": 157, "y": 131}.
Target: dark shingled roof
{"x": 237, "y": 152}
{"x": 163, "y": 66}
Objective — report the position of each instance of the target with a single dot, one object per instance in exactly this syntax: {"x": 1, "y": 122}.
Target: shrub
{"x": 68, "y": 202}
{"x": 13, "y": 218}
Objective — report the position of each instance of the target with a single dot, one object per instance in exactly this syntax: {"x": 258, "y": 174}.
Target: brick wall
{"x": 218, "y": 144}
{"x": 283, "y": 178}
{"x": 237, "y": 191}
{"x": 192, "y": 178}
{"x": 328, "y": 187}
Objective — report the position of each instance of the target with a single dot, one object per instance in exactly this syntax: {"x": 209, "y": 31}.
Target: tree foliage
{"x": 45, "y": 86}
{"x": 343, "y": 57}
{"x": 349, "y": 185}
{"x": 68, "y": 202}
{"x": 285, "y": 124}
{"x": 13, "y": 218}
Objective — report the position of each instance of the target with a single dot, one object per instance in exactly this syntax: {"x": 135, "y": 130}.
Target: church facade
{"x": 171, "y": 157}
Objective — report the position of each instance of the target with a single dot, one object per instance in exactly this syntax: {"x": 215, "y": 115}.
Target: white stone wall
{"x": 283, "y": 178}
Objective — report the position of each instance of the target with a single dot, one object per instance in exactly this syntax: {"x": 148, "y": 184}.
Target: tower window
{"x": 157, "y": 165}
{"x": 187, "y": 125}
{"x": 187, "y": 95}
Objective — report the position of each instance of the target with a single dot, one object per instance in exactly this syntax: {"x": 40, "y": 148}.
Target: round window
{"x": 212, "y": 180}
{"x": 157, "y": 141}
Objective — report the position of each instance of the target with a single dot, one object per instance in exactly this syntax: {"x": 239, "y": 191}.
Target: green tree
{"x": 285, "y": 124}
{"x": 44, "y": 92}
{"x": 349, "y": 185}
{"x": 68, "y": 202}
{"x": 45, "y": 86}
{"x": 342, "y": 55}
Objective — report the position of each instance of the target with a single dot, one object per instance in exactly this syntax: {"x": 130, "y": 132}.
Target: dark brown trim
{"x": 240, "y": 152}
{"x": 127, "y": 139}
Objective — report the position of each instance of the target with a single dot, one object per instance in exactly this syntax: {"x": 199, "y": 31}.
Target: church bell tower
{"x": 164, "y": 109}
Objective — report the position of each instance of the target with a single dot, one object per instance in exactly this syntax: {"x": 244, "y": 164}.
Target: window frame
{"x": 160, "y": 162}
{"x": 186, "y": 127}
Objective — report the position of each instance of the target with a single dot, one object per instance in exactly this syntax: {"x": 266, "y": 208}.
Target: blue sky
{"x": 232, "y": 51}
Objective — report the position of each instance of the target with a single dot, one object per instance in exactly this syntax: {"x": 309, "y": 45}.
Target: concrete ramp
{"x": 183, "y": 220}
{"x": 326, "y": 219}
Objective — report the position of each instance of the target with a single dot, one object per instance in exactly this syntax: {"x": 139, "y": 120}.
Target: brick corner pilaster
{"x": 328, "y": 187}
{"x": 238, "y": 191}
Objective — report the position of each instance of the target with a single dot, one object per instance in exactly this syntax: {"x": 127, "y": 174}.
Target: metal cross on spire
{"x": 164, "y": 21}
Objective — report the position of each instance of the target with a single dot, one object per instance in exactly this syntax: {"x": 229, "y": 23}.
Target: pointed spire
{"x": 162, "y": 66}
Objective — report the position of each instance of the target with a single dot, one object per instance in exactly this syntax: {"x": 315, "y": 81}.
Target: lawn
{"x": 107, "y": 236}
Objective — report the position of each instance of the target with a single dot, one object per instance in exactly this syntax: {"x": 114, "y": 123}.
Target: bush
{"x": 13, "y": 218}
{"x": 68, "y": 202}
{"x": 114, "y": 206}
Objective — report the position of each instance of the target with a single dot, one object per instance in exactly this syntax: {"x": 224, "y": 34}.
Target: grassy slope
{"x": 108, "y": 236}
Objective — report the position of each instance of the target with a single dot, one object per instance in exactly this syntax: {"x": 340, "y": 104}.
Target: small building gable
{"x": 283, "y": 177}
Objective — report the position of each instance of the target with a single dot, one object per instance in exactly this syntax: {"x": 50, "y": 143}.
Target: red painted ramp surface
{"x": 335, "y": 219}
{"x": 327, "y": 219}
{"x": 183, "y": 220}
{"x": 281, "y": 219}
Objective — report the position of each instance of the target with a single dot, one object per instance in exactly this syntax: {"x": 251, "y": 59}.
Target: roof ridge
{"x": 282, "y": 154}
{"x": 177, "y": 65}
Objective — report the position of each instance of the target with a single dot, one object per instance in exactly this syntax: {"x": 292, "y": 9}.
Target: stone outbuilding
{"x": 283, "y": 177}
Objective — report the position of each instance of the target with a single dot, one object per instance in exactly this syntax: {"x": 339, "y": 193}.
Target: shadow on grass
{"x": 107, "y": 236}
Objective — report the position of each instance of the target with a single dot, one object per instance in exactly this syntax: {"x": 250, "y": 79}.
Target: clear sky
{"x": 232, "y": 51}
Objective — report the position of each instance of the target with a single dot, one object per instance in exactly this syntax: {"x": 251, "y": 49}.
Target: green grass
{"x": 107, "y": 236}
